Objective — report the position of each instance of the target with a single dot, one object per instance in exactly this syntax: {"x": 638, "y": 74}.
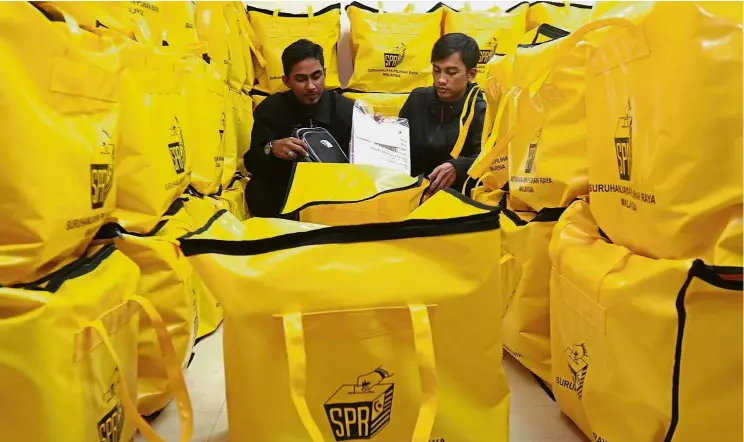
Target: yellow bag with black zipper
{"x": 204, "y": 93}
{"x": 548, "y": 152}
{"x": 275, "y": 30}
{"x": 392, "y": 362}
{"x": 60, "y": 113}
{"x": 564, "y": 15}
{"x": 209, "y": 310}
{"x": 388, "y": 105}
{"x": 491, "y": 167}
{"x": 232, "y": 198}
{"x": 343, "y": 194}
{"x": 643, "y": 349}
{"x": 179, "y": 22}
{"x": 495, "y": 31}
{"x": 153, "y": 165}
{"x": 392, "y": 50}
{"x": 653, "y": 188}
{"x": 68, "y": 354}
{"x": 166, "y": 282}
{"x": 525, "y": 272}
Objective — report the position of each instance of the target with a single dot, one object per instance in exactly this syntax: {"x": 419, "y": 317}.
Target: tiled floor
{"x": 534, "y": 417}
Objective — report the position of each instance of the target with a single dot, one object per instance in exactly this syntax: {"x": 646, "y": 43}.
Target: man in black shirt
{"x": 305, "y": 104}
{"x": 433, "y": 114}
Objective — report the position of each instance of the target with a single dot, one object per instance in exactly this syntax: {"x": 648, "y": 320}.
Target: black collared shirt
{"x": 276, "y": 118}
{"x": 435, "y": 127}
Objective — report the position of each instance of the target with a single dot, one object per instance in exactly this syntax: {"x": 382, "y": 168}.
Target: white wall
{"x": 344, "y": 47}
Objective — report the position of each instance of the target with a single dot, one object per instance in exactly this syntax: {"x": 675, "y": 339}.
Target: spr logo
{"x": 532, "y": 152}
{"x": 176, "y": 147}
{"x": 395, "y": 57}
{"x": 624, "y": 144}
{"x": 326, "y": 143}
{"x": 578, "y": 365}
{"x": 488, "y": 51}
{"x": 101, "y": 181}
{"x": 361, "y": 411}
{"x": 111, "y": 426}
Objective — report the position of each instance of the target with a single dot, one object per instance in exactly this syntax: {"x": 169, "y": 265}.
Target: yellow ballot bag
{"x": 179, "y": 22}
{"x": 565, "y": 15}
{"x": 275, "y": 30}
{"x": 525, "y": 272}
{"x": 548, "y": 153}
{"x": 209, "y": 310}
{"x": 392, "y": 50}
{"x": 204, "y": 93}
{"x": 643, "y": 349}
{"x": 233, "y": 114}
{"x": 343, "y": 194}
{"x": 232, "y": 198}
{"x": 166, "y": 282}
{"x": 654, "y": 189}
{"x": 59, "y": 101}
{"x": 495, "y": 31}
{"x": 390, "y": 362}
{"x": 244, "y": 121}
{"x": 388, "y": 105}
{"x": 68, "y": 354}
{"x": 153, "y": 163}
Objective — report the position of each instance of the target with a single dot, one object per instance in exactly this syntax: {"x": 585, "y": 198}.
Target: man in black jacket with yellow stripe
{"x": 434, "y": 113}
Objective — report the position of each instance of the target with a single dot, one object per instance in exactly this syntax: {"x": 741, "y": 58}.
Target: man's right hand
{"x": 290, "y": 149}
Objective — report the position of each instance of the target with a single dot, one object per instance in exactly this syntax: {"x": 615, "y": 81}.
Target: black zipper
{"x": 363, "y": 233}
{"x": 80, "y": 267}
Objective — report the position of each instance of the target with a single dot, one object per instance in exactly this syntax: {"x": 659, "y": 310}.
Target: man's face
{"x": 451, "y": 77}
{"x": 306, "y": 81}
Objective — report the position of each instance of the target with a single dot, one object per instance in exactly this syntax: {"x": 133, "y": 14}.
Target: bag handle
{"x": 172, "y": 368}
{"x": 294, "y": 339}
{"x": 52, "y": 8}
{"x": 465, "y": 127}
{"x": 247, "y": 29}
{"x": 492, "y": 148}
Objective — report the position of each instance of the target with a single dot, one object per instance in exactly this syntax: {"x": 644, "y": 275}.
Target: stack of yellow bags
{"x": 72, "y": 333}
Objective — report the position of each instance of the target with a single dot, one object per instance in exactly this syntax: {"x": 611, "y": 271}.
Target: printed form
{"x": 384, "y": 144}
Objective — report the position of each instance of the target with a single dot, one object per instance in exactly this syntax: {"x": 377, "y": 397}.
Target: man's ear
{"x": 472, "y": 74}
{"x": 285, "y": 80}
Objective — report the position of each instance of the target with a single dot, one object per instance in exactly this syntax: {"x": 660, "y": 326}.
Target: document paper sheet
{"x": 384, "y": 144}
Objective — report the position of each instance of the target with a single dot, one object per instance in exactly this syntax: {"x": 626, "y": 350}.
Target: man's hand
{"x": 290, "y": 149}
{"x": 379, "y": 117}
{"x": 442, "y": 178}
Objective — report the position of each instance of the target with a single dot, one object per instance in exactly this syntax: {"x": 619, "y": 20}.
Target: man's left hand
{"x": 442, "y": 178}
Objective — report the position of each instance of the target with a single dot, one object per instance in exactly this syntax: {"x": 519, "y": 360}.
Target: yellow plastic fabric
{"x": 393, "y": 361}
{"x": 212, "y": 27}
{"x": 153, "y": 163}
{"x": 496, "y": 31}
{"x": 244, "y": 122}
{"x": 448, "y": 204}
{"x": 179, "y": 22}
{"x": 59, "y": 101}
{"x": 632, "y": 340}
{"x": 205, "y": 99}
{"x": 75, "y": 331}
{"x": 276, "y": 30}
{"x": 548, "y": 153}
{"x": 525, "y": 237}
{"x": 165, "y": 282}
{"x": 232, "y": 199}
{"x": 230, "y": 137}
{"x": 124, "y": 16}
{"x": 201, "y": 210}
{"x": 237, "y": 73}
{"x": 654, "y": 189}
{"x": 392, "y": 50}
{"x": 388, "y": 105}
{"x": 343, "y": 194}
{"x": 565, "y": 15}
{"x": 257, "y": 99}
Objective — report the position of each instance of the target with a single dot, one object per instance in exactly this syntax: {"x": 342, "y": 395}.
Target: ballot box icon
{"x": 361, "y": 411}
{"x": 624, "y": 145}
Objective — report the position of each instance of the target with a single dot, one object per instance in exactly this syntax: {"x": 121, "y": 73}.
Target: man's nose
{"x": 310, "y": 86}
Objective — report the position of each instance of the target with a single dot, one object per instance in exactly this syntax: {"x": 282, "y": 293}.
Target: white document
{"x": 384, "y": 144}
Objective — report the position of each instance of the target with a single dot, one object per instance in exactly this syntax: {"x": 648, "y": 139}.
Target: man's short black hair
{"x": 301, "y": 50}
{"x": 457, "y": 42}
